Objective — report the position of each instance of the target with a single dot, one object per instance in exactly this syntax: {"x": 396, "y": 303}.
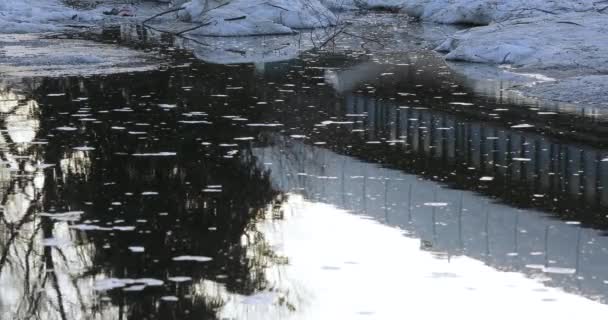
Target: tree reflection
{"x": 50, "y": 265}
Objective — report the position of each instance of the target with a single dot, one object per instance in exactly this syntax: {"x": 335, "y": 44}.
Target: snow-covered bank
{"x": 561, "y": 46}
{"x": 255, "y": 17}
{"x": 573, "y": 42}
{"x": 31, "y": 16}
{"x": 37, "y": 16}
{"x": 482, "y": 12}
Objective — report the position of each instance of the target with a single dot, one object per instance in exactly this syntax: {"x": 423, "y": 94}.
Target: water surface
{"x": 336, "y": 184}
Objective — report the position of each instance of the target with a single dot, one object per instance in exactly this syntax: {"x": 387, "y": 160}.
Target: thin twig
{"x": 194, "y": 28}
{"x": 163, "y": 13}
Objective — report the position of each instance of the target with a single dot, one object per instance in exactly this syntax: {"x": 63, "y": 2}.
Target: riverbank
{"x": 565, "y": 42}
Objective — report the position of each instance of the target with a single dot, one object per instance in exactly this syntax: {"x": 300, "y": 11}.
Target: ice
{"x": 521, "y": 126}
{"x": 110, "y": 283}
{"x": 136, "y": 249}
{"x": 157, "y": 154}
{"x": 169, "y": 298}
{"x": 193, "y": 258}
{"x": 435, "y": 204}
{"x": 179, "y": 279}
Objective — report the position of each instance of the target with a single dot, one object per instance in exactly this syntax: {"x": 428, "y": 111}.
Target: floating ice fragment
{"x": 195, "y": 121}
{"x": 110, "y": 283}
{"x": 66, "y": 128}
{"x": 486, "y": 178}
{"x": 524, "y": 125}
{"x": 521, "y": 159}
{"x": 169, "y": 298}
{"x": 559, "y": 270}
{"x": 138, "y": 287}
{"x": 157, "y": 154}
{"x": 149, "y": 193}
{"x": 55, "y": 94}
{"x": 124, "y": 228}
{"x": 179, "y": 279}
{"x": 462, "y": 103}
{"x": 264, "y": 124}
{"x": 150, "y": 282}
{"x": 137, "y": 249}
{"x": 167, "y": 106}
{"x": 83, "y": 148}
{"x": 435, "y": 204}
{"x": 193, "y": 258}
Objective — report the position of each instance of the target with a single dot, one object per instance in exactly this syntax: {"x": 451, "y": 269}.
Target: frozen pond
{"x": 347, "y": 184}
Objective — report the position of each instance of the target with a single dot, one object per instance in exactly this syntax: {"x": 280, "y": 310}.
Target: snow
{"x": 577, "y": 41}
{"x": 32, "y": 16}
{"x": 482, "y": 12}
{"x": 255, "y": 17}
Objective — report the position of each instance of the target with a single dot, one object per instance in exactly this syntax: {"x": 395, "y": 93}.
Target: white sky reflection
{"x": 342, "y": 266}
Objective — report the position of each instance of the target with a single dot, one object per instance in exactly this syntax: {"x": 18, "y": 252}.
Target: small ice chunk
{"x": 179, "y": 279}
{"x": 169, "y": 298}
{"x": 523, "y": 125}
{"x": 435, "y": 204}
{"x": 193, "y": 258}
{"x": 66, "y": 128}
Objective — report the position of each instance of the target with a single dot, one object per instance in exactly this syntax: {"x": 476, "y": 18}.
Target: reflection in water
{"x": 71, "y": 232}
{"x": 345, "y": 266}
{"x": 448, "y": 222}
{"x": 212, "y": 191}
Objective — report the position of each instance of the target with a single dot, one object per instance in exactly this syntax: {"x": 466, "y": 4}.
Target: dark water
{"x": 153, "y": 195}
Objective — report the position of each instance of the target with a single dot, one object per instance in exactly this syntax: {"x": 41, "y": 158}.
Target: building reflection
{"x": 448, "y": 222}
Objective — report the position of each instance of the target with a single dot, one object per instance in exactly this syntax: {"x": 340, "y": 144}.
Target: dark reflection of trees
{"x": 107, "y": 184}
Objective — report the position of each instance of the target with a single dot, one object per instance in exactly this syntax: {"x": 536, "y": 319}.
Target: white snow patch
{"x": 577, "y": 41}
{"x": 482, "y": 12}
{"x": 255, "y": 17}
